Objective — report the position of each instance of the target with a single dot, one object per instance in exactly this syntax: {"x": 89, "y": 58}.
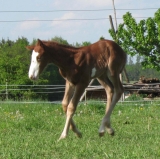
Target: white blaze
{"x": 34, "y": 67}
{"x": 93, "y": 72}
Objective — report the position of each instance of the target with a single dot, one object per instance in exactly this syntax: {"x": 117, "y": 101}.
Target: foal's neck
{"x": 61, "y": 55}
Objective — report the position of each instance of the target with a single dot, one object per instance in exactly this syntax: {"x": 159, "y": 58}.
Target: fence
{"x": 31, "y": 92}
{"x": 150, "y": 90}
{"x": 54, "y": 93}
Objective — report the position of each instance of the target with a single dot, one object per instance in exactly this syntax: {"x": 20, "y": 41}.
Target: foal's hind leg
{"x": 108, "y": 86}
{"x": 114, "y": 91}
{"x": 69, "y": 89}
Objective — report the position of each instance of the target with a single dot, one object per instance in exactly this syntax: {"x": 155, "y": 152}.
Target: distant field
{"x": 32, "y": 130}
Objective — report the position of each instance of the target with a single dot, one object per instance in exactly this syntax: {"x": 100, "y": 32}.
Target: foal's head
{"x": 39, "y": 59}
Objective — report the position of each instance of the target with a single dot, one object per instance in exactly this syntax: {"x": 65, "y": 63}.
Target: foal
{"x": 103, "y": 60}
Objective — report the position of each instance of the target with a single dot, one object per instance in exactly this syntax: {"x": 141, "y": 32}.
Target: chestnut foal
{"x": 103, "y": 60}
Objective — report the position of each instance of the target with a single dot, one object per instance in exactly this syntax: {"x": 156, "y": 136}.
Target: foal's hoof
{"x": 110, "y": 132}
{"x": 62, "y": 137}
{"x": 79, "y": 135}
{"x": 101, "y": 134}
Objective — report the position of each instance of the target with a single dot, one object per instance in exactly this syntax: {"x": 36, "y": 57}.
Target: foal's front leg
{"x": 79, "y": 89}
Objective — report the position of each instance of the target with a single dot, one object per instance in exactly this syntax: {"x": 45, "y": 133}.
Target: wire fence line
{"x": 69, "y": 10}
{"x": 139, "y": 103}
{"x": 7, "y": 88}
{"x": 65, "y": 20}
{"x": 8, "y": 93}
{"x": 30, "y": 92}
{"x": 75, "y": 19}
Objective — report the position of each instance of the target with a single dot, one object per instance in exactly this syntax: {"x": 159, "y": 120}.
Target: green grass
{"x": 31, "y": 131}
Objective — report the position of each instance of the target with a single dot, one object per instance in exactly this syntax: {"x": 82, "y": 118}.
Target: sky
{"x": 73, "y": 20}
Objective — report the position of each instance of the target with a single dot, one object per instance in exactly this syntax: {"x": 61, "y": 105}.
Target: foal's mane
{"x": 53, "y": 43}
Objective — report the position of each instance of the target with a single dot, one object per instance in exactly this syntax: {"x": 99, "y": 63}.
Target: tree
{"x": 141, "y": 39}
{"x": 14, "y": 60}
{"x": 86, "y": 43}
{"x": 60, "y": 40}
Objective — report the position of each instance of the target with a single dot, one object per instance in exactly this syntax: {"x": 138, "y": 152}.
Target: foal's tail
{"x": 124, "y": 63}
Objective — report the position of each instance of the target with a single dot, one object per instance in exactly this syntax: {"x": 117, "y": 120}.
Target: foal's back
{"x": 107, "y": 54}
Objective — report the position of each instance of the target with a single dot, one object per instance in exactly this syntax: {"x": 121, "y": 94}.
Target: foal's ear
{"x": 40, "y": 43}
{"x": 30, "y": 47}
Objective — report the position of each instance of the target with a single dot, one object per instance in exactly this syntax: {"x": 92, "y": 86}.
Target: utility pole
{"x": 111, "y": 22}
{"x": 115, "y": 14}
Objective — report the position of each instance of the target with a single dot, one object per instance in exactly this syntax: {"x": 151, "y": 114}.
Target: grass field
{"x": 31, "y": 131}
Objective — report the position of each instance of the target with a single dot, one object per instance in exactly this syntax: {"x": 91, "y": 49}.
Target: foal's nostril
{"x": 31, "y": 77}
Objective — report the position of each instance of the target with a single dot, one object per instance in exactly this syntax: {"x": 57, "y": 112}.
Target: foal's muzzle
{"x": 32, "y": 77}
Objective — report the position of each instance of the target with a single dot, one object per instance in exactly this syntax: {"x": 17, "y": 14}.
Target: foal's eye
{"x": 38, "y": 59}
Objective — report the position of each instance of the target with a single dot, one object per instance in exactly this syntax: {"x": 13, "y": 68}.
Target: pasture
{"x": 32, "y": 131}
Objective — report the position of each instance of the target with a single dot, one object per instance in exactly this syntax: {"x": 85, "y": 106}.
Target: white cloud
{"x": 58, "y": 22}
{"x": 62, "y": 23}
{"x": 28, "y": 25}
{"x": 26, "y": 28}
